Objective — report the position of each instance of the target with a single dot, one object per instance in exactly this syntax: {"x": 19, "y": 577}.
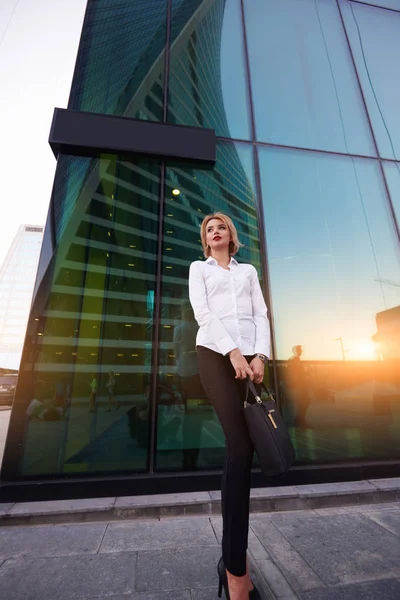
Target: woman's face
{"x": 217, "y": 235}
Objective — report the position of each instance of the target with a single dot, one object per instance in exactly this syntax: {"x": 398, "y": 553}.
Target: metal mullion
{"x": 167, "y": 60}
{"x": 155, "y": 354}
{"x": 396, "y": 10}
{"x": 248, "y": 75}
{"x": 378, "y": 154}
{"x": 259, "y": 204}
{"x": 265, "y": 265}
{"x": 299, "y": 148}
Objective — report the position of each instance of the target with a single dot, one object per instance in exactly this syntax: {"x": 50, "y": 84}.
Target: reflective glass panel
{"x": 304, "y": 87}
{"x": 189, "y": 435}
{"x": 332, "y": 249}
{"x": 120, "y": 64}
{"x": 207, "y": 84}
{"x": 392, "y": 171}
{"x": 375, "y": 40}
{"x": 83, "y": 388}
{"x": 394, "y": 4}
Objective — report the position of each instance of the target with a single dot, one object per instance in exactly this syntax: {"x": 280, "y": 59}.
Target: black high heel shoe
{"x": 223, "y": 583}
{"x": 223, "y": 579}
{"x": 254, "y": 594}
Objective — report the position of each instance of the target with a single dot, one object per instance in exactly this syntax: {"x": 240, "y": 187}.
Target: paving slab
{"x": 390, "y": 520}
{"x": 393, "y": 483}
{"x": 288, "y": 516}
{"x": 215, "y": 495}
{"x": 278, "y": 585}
{"x": 177, "y": 569}
{"x": 57, "y": 507}
{"x": 156, "y": 535}
{"x": 291, "y": 563}
{"x": 163, "y": 505}
{"x": 386, "y": 589}
{"x": 288, "y": 491}
{"x": 171, "y": 595}
{"x": 216, "y": 523}
{"x": 205, "y": 594}
{"x": 335, "y": 489}
{"x": 5, "y": 508}
{"x": 50, "y": 540}
{"x": 162, "y": 500}
{"x": 256, "y": 548}
{"x": 78, "y": 577}
{"x": 363, "y": 508}
{"x": 341, "y": 550}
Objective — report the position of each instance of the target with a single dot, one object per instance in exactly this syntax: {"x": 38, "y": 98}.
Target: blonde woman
{"x": 233, "y": 344}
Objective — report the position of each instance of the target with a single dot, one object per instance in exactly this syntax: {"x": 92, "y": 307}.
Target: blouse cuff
{"x": 226, "y": 345}
{"x": 262, "y": 349}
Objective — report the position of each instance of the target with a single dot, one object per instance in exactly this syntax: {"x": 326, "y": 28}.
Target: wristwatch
{"x": 262, "y": 357}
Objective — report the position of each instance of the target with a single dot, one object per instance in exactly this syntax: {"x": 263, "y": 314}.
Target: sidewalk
{"x": 166, "y": 547}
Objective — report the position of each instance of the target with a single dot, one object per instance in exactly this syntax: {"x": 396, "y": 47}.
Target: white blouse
{"x": 229, "y": 307}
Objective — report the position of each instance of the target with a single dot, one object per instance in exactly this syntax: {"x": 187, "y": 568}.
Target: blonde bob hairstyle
{"x": 234, "y": 244}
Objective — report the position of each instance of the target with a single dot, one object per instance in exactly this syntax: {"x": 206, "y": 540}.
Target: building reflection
{"x": 326, "y": 228}
{"x": 345, "y": 408}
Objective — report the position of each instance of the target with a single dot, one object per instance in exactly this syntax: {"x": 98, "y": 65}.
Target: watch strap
{"x": 262, "y": 357}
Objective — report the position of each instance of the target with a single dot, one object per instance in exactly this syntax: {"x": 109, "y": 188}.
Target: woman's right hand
{"x": 240, "y": 364}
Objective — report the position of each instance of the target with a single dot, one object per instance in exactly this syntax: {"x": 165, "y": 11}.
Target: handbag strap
{"x": 250, "y": 386}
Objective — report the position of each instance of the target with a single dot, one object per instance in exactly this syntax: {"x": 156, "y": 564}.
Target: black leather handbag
{"x": 268, "y": 433}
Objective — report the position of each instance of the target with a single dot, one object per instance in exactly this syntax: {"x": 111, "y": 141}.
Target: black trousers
{"x": 227, "y": 395}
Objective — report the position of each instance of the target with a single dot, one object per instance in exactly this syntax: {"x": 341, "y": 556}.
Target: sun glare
{"x": 363, "y": 351}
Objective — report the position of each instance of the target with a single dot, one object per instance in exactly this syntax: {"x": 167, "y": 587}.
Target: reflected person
{"x": 233, "y": 343}
{"x": 297, "y": 386}
{"x": 110, "y": 385}
{"x": 189, "y": 383}
{"x": 93, "y": 393}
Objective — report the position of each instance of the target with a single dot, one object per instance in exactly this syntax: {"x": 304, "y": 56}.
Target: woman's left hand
{"x": 257, "y": 366}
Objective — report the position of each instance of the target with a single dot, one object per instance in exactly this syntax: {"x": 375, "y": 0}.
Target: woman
{"x": 233, "y": 344}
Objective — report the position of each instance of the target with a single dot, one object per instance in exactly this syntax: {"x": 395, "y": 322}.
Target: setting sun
{"x": 363, "y": 351}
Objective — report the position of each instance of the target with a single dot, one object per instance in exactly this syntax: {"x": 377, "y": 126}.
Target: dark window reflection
{"x": 375, "y": 41}
{"x": 304, "y": 85}
{"x": 188, "y": 432}
{"x": 89, "y": 340}
{"x": 120, "y": 65}
{"x": 334, "y": 264}
{"x": 207, "y": 84}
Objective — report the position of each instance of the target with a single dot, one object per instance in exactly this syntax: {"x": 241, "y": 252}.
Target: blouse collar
{"x": 212, "y": 261}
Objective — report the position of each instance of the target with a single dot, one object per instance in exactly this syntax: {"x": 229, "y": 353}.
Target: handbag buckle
{"x": 271, "y": 418}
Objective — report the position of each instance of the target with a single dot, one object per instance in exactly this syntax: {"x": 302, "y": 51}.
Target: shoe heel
{"x": 223, "y": 580}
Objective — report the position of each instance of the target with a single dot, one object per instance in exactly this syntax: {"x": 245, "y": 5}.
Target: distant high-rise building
{"x": 17, "y": 278}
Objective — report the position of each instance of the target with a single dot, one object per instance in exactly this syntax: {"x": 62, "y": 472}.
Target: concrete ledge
{"x": 60, "y": 507}
{"x": 272, "y": 499}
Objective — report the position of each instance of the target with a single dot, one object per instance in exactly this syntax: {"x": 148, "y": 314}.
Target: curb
{"x": 260, "y": 581}
{"x": 302, "y": 497}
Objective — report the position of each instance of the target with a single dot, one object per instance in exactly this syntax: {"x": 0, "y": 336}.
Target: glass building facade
{"x": 303, "y": 97}
{"x": 17, "y": 278}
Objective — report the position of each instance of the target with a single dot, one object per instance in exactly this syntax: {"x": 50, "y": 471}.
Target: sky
{"x": 38, "y": 47}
